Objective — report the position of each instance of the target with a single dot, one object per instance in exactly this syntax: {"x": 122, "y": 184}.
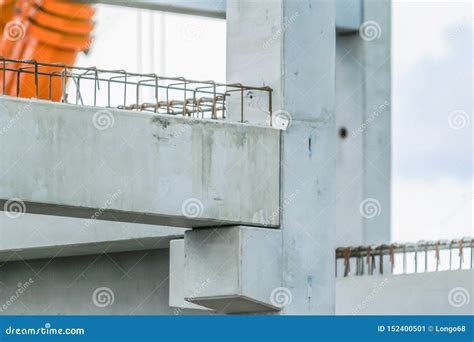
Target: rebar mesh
{"x": 124, "y": 90}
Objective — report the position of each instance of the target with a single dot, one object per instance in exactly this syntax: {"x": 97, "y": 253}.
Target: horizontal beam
{"x": 205, "y": 8}
{"x": 40, "y": 237}
{"x": 119, "y": 165}
{"x": 348, "y": 12}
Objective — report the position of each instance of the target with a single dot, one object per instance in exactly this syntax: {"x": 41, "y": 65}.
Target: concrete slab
{"x": 109, "y": 164}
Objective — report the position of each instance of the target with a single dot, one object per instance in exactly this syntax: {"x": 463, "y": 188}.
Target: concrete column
{"x": 363, "y": 122}
{"x": 290, "y": 46}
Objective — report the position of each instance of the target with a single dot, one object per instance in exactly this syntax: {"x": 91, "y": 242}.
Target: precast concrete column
{"x": 363, "y": 107}
{"x": 290, "y": 46}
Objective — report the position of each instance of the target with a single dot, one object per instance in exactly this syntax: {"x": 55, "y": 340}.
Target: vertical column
{"x": 363, "y": 122}
{"x": 290, "y": 46}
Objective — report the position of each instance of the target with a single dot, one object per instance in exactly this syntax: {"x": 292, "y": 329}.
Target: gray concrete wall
{"x": 363, "y": 108}
{"x": 433, "y": 293}
{"x": 133, "y": 283}
{"x": 137, "y": 167}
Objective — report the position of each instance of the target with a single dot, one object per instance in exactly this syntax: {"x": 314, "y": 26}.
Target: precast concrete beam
{"x": 233, "y": 270}
{"x": 177, "y": 281}
{"x": 348, "y": 12}
{"x": 57, "y": 159}
{"x": 38, "y": 237}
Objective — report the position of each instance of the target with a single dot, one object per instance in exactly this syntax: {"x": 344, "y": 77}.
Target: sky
{"x": 432, "y": 146}
{"x": 432, "y": 161}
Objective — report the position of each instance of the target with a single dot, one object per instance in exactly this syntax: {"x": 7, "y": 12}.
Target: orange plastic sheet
{"x": 47, "y": 31}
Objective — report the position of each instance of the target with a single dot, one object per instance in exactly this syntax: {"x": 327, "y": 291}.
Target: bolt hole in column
{"x": 343, "y": 132}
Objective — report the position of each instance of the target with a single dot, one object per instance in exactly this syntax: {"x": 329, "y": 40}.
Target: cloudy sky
{"x": 432, "y": 120}
{"x": 431, "y": 97}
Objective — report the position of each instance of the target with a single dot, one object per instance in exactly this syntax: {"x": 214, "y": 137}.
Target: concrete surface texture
{"x": 33, "y": 236}
{"x": 363, "y": 108}
{"x": 128, "y": 166}
{"x": 290, "y": 46}
{"x": 133, "y": 283}
{"x": 297, "y": 193}
{"x": 233, "y": 269}
{"x": 432, "y": 293}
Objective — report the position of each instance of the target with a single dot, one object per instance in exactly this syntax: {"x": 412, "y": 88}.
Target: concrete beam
{"x": 234, "y": 269}
{"x": 208, "y": 8}
{"x": 143, "y": 168}
{"x": 132, "y": 283}
{"x": 177, "y": 282}
{"x": 348, "y": 16}
{"x": 38, "y": 237}
{"x": 348, "y": 12}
